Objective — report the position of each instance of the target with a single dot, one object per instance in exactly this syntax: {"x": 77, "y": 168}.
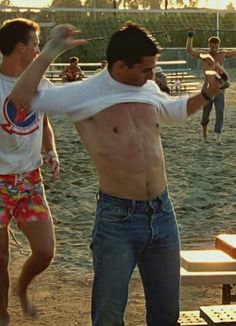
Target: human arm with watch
{"x": 49, "y": 146}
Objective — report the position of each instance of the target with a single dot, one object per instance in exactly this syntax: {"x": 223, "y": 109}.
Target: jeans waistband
{"x": 123, "y": 202}
{"x": 32, "y": 176}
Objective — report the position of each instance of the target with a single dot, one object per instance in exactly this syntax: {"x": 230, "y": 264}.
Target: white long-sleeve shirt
{"x": 81, "y": 100}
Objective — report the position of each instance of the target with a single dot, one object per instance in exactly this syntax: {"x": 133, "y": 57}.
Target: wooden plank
{"x": 181, "y": 72}
{"x": 207, "y": 278}
{"x": 219, "y": 315}
{"x": 171, "y": 62}
{"x": 180, "y": 76}
{"x": 81, "y": 64}
{"x": 207, "y": 260}
{"x": 185, "y": 83}
{"x": 191, "y": 318}
{"x": 226, "y": 243}
{"x": 176, "y": 70}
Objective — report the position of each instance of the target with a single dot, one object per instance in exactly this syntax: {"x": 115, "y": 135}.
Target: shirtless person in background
{"x": 218, "y": 57}
{"x": 118, "y": 114}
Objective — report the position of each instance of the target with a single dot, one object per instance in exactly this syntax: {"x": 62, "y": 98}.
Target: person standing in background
{"x": 103, "y": 65}
{"x": 216, "y": 64}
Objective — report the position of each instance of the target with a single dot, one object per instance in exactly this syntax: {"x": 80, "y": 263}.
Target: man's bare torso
{"x": 216, "y": 66}
{"x": 124, "y": 142}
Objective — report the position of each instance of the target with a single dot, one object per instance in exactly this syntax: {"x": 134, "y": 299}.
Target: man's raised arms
{"x": 61, "y": 39}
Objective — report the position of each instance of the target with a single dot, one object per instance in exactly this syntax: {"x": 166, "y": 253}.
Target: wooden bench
{"x": 191, "y": 318}
{"x": 223, "y": 315}
{"x": 188, "y": 87}
{"x": 226, "y": 279}
{"x": 181, "y": 77}
{"x": 187, "y": 81}
{"x": 209, "y": 271}
{"x": 54, "y": 75}
{"x": 176, "y": 70}
{"x": 219, "y": 315}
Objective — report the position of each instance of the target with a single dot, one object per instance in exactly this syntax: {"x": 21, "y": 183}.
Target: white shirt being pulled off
{"x": 82, "y": 100}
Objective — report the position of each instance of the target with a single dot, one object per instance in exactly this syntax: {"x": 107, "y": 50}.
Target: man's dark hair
{"x": 14, "y": 31}
{"x": 130, "y": 44}
{"x": 214, "y": 39}
{"x": 74, "y": 59}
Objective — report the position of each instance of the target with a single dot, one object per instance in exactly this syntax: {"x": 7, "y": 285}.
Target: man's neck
{"x": 11, "y": 67}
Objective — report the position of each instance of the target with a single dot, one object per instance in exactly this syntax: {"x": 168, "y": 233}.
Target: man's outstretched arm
{"x": 189, "y": 45}
{"x": 229, "y": 53}
{"x": 62, "y": 38}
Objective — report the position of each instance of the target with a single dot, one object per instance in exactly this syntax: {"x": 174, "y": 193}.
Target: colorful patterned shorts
{"x": 22, "y": 196}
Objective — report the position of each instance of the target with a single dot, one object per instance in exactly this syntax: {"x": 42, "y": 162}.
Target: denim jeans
{"x": 219, "y": 102}
{"x": 129, "y": 233}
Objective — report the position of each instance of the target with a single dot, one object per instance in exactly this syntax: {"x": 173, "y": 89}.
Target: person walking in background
{"x": 161, "y": 79}
{"x": 216, "y": 64}
{"x": 118, "y": 114}
{"x": 72, "y": 72}
{"x": 21, "y": 190}
{"x": 103, "y": 65}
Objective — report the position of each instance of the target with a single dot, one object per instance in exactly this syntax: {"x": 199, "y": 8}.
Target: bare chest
{"x": 219, "y": 58}
{"x": 129, "y": 116}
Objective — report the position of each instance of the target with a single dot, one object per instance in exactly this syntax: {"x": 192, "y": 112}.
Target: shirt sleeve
{"x": 172, "y": 110}
{"x": 81, "y": 100}
{"x": 57, "y": 100}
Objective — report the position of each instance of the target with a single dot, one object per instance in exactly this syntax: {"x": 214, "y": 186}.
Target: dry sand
{"x": 202, "y": 187}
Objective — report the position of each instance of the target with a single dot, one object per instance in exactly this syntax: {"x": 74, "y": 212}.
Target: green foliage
{"x": 5, "y": 3}
{"x": 169, "y": 28}
{"x": 66, "y": 3}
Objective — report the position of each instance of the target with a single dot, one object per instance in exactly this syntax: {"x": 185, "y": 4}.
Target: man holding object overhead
{"x": 118, "y": 114}
{"x": 212, "y": 60}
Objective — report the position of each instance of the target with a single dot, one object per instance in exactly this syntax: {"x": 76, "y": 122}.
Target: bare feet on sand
{"x": 27, "y": 308}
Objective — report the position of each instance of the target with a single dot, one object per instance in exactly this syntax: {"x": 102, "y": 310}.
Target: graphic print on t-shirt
{"x": 18, "y": 120}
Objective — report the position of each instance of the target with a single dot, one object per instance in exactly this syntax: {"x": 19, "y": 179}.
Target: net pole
{"x": 94, "y": 10}
{"x": 218, "y": 20}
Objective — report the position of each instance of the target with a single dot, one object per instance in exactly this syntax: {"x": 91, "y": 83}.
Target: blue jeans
{"x": 219, "y": 102}
{"x": 129, "y": 233}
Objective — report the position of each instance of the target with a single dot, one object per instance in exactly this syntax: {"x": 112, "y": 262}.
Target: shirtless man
{"x": 118, "y": 114}
{"x": 216, "y": 65}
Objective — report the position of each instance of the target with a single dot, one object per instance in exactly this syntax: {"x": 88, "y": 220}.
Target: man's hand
{"x": 52, "y": 159}
{"x": 61, "y": 38}
{"x": 214, "y": 86}
{"x": 190, "y": 33}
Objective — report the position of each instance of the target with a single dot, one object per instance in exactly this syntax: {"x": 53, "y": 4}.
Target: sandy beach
{"x": 201, "y": 179}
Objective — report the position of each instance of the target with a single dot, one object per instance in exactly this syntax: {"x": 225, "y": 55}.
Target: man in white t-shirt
{"x": 22, "y": 196}
{"x": 118, "y": 114}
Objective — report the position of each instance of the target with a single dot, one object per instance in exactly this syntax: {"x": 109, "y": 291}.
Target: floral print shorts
{"x": 22, "y": 196}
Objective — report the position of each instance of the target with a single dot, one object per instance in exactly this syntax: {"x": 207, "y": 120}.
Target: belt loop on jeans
{"x": 133, "y": 204}
{"x": 97, "y": 196}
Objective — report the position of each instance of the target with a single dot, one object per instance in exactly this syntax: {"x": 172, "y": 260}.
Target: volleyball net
{"x": 169, "y": 27}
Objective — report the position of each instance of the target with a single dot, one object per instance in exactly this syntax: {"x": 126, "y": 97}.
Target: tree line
{"x": 127, "y": 4}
